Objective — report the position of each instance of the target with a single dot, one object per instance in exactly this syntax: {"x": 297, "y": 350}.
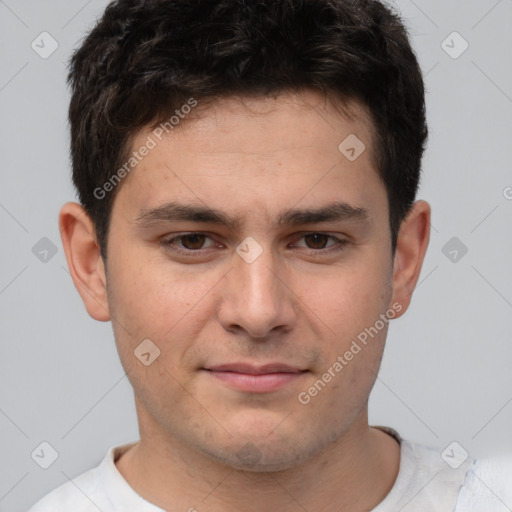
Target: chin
{"x": 263, "y": 450}
{"x": 260, "y": 459}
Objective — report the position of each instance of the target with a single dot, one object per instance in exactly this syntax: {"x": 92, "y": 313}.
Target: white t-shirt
{"x": 425, "y": 483}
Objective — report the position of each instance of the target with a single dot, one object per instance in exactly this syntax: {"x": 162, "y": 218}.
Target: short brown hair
{"x": 146, "y": 58}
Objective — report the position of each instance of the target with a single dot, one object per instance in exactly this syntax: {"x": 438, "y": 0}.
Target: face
{"x": 255, "y": 255}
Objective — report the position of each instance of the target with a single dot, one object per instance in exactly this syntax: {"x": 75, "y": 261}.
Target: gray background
{"x": 446, "y": 373}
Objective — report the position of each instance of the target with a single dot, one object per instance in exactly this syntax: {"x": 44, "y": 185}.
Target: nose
{"x": 256, "y": 299}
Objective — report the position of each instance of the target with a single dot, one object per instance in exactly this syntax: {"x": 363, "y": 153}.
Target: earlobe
{"x": 412, "y": 244}
{"x": 84, "y": 259}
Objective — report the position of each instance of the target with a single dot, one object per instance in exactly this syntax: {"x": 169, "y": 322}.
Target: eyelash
{"x": 170, "y": 244}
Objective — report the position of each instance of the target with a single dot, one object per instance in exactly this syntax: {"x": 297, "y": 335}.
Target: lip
{"x": 256, "y": 379}
{"x": 255, "y": 370}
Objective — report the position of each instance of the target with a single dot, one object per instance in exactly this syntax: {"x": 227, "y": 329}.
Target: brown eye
{"x": 193, "y": 241}
{"x": 189, "y": 244}
{"x": 321, "y": 244}
{"x": 316, "y": 240}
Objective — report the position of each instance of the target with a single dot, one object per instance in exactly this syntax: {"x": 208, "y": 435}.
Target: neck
{"x": 354, "y": 473}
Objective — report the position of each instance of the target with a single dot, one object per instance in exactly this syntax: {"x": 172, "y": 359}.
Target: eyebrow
{"x": 174, "y": 212}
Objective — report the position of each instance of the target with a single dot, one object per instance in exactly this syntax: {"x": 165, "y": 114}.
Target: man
{"x": 247, "y": 174}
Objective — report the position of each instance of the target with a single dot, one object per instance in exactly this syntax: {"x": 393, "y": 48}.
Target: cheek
{"x": 352, "y": 296}
{"x": 156, "y": 294}
{"x": 161, "y": 302}
{"x": 151, "y": 301}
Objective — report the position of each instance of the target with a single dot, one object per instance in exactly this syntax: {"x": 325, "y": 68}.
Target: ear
{"x": 84, "y": 259}
{"x": 412, "y": 244}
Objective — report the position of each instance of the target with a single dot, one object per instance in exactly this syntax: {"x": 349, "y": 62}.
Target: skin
{"x": 204, "y": 444}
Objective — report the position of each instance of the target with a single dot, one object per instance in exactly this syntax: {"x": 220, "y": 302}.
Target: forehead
{"x": 241, "y": 123}
{"x": 247, "y": 149}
